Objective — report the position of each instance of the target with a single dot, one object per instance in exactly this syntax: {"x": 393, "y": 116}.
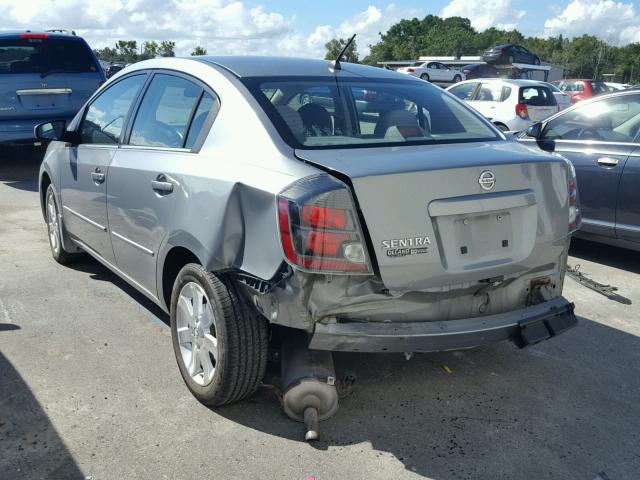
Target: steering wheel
{"x": 589, "y": 133}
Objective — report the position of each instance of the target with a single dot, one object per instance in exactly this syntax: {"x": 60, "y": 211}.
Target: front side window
{"x": 165, "y": 111}
{"x": 322, "y": 112}
{"x": 612, "y": 119}
{"x": 105, "y": 117}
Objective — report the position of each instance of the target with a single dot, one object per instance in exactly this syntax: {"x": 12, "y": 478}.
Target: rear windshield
{"x": 325, "y": 113}
{"x": 537, "y": 96}
{"x": 41, "y": 55}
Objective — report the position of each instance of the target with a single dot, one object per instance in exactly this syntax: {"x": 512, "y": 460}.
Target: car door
{"x": 84, "y": 177}
{"x": 146, "y": 174}
{"x": 597, "y": 138}
{"x": 487, "y": 99}
{"x": 445, "y": 73}
{"x": 628, "y": 204}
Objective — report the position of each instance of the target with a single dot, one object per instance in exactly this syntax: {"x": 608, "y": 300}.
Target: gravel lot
{"x": 89, "y": 387}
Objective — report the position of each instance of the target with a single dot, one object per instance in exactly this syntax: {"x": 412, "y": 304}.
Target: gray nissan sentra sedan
{"x": 287, "y": 208}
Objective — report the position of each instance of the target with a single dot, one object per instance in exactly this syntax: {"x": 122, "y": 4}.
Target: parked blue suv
{"x": 43, "y": 76}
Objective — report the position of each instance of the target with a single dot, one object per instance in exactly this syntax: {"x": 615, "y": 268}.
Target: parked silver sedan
{"x": 307, "y": 207}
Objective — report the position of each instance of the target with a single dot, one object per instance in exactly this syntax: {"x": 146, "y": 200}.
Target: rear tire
{"x": 425, "y": 77}
{"x": 220, "y": 343}
{"x": 510, "y": 59}
{"x": 536, "y": 61}
{"x": 55, "y": 229}
{"x": 502, "y": 127}
{"x": 457, "y": 79}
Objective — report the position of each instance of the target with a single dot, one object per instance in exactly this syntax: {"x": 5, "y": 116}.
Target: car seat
{"x": 406, "y": 123}
{"x": 315, "y": 120}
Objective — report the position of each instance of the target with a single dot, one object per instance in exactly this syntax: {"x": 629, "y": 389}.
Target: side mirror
{"x": 534, "y": 131}
{"x": 53, "y": 130}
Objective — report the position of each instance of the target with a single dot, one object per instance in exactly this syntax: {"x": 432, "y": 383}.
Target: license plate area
{"x": 478, "y": 234}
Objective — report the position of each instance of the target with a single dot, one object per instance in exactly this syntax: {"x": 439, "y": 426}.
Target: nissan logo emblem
{"x": 487, "y": 180}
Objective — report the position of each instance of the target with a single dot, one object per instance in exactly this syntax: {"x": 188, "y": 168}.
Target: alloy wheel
{"x": 53, "y": 224}
{"x": 196, "y": 333}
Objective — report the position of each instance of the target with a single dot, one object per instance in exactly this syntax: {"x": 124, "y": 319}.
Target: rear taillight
{"x": 575, "y": 216}
{"x": 409, "y": 70}
{"x": 521, "y": 111}
{"x": 319, "y": 227}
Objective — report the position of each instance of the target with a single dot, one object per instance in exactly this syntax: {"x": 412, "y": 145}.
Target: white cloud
{"x": 221, "y": 26}
{"x": 485, "y": 13}
{"x": 615, "y": 22}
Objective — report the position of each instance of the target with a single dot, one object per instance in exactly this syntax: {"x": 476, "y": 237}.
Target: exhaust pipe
{"x": 308, "y": 383}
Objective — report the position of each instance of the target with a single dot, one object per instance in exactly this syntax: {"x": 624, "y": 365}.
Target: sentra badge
{"x": 401, "y": 247}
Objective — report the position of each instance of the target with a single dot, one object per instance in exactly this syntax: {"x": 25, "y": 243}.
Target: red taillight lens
{"x": 575, "y": 216}
{"x": 409, "y": 70}
{"x": 34, "y": 35}
{"x": 323, "y": 217}
{"x": 521, "y": 111}
{"x": 319, "y": 228}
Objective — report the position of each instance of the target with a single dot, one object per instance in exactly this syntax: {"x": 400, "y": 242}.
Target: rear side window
{"x": 207, "y": 103}
{"x": 165, "y": 112}
{"x": 537, "y": 96}
{"x": 464, "y": 91}
{"x": 41, "y": 55}
{"x": 106, "y": 115}
{"x": 489, "y": 92}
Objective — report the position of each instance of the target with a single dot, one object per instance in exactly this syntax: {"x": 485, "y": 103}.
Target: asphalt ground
{"x": 89, "y": 387}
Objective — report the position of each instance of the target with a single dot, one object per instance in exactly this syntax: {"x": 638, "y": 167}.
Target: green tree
{"x": 149, "y": 50}
{"x": 127, "y": 50}
{"x": 198, "y": 50}
{"x": 335, "y": 46}
{"x": 167, "y": 48}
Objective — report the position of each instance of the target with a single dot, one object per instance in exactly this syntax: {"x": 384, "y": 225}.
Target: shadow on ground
{"x": 19, "y": 167}
{"x": 30, "y": 447}
{"x": 627, "y": 260}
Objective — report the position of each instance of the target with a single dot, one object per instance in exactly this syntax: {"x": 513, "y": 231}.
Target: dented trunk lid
{"x": 448, "y": 214}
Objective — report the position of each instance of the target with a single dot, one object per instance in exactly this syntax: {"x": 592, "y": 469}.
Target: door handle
{"x": 162, "y": 185}
{"x": 607, "y": 162}
{"x": 97, "y": 176}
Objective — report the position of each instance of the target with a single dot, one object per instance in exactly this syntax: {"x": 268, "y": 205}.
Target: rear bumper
{"x": 22, "y": 131}
{"x": 524, "y": 327}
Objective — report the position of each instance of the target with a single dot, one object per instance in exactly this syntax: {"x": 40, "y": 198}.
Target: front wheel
{"x": 54, "y": 228}
{"x": 220, "y": 344}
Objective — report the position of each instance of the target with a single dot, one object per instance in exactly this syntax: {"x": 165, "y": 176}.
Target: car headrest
{"x": 293, "y": 120}
{"x": 315, "y": 120}
{"x": 406, "y": 123}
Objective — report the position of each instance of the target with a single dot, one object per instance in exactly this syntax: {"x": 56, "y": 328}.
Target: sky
{"x": 301, "y": 28}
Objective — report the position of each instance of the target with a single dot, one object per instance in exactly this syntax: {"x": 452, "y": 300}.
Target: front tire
{"x": 220, "y": 344}
{"x": 54, "y": 228}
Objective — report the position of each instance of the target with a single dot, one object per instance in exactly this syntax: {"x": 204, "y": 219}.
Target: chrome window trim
{"x": 44, "y": 91}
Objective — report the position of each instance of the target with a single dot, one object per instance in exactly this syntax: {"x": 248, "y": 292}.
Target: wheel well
{"x": 177, "y": 258}
{"x": 45, "y": 181}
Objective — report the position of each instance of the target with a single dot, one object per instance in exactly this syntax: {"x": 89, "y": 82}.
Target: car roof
{"x": 11, "y": 34}
{"x": 266, "y": 66}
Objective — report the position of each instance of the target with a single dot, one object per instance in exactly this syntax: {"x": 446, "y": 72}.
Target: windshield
{"x": 41, "y": 55}
{"x": 325, "y": 113}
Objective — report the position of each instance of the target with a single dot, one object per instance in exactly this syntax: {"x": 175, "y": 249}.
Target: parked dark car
{"x": 114, "y": 68}
{"x": 601, "y": 137}
{"x": 43, "y": 76}
{"x": 480, "y": 70}
{"x": 507, "y": 54}
{"x": 581, "y": 89}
